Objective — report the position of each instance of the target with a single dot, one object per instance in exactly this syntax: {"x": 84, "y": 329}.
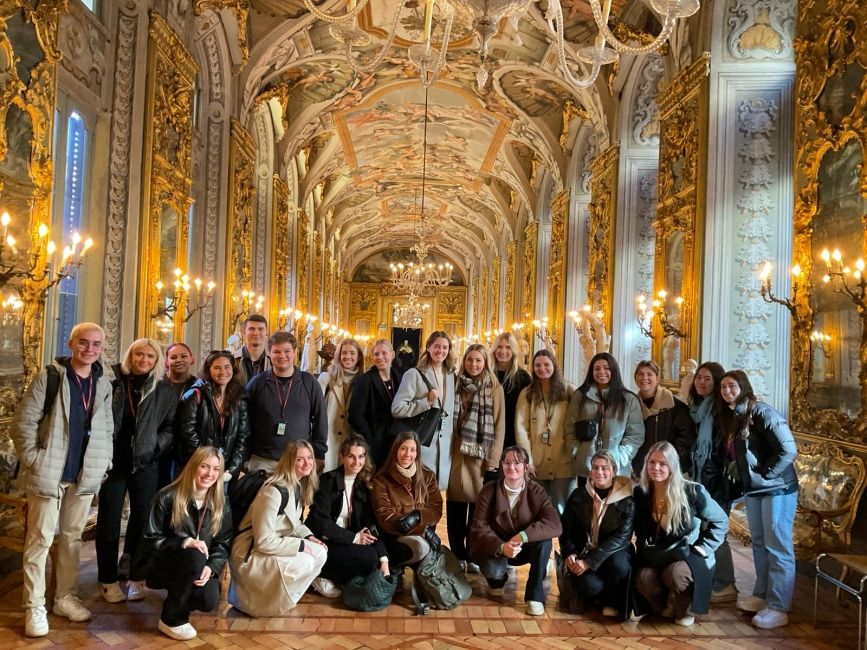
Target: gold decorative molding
{"x": 302, "y": 267}
{"x": 557, "y": 267}
{"x": 603, "y": 217}
{"x": 474, "y": 282}
{"x": 570, "y": 111}
{"x": 509, "y": 300}
{"x": 496, "y": 267}
{"x": 451, "y": 310}
{"x": 328, "y": 309}
{"x": 680, "y": 204}
{"x": 241, "y": 9}
{"x": 831, "y": 45}
{"x": 167, "y": 169}
{"x": 483, "y": 314}
{"x": 242, "y": 195}
{"x": 316, "y": 284}
{"x": 528, "y": 274}
{"x": 280, "y": 242}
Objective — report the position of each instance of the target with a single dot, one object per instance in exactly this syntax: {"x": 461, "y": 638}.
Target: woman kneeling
{"x": 597, "y": 533}
{"x": 678, "y": 527}
{"x": 275, "y": 557}
{"x": 186, "y": 542}
{"x": 513, "y": 524}
{"x": 342, "y": 516}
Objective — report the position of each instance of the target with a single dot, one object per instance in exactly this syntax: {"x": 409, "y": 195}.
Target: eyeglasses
{"x": 84, "y": 344}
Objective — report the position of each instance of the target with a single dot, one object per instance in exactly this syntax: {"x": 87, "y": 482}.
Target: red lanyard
{"x": 86, "y": 400}
{"x": 277, "y": 391}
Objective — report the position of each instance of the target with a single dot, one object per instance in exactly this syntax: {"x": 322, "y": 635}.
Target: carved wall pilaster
{"x": 509, "y": 298}
{"x": 603, "y": 215}
{"x": 302, "y": 268}
{"x": 496, "y": 270}
{"x": 316, "y": 298}
{"x": 242, "y": 196}
{"x": 557, "y": 267}
{"x": 528, "y": 270}
{"x": 279, "y": 247}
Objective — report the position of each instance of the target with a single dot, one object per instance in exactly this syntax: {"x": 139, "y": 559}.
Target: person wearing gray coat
{"x": 603, "y": 414}
{"x": 64, "y": 449}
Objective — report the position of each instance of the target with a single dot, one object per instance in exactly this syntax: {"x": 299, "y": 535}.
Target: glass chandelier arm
{"x": 600, "y": 15}
{"x": 554, "y": 16}
{"x": 426, "y": 80}
{"x": 330, "y": 18}
{"x": 377, "y": 61}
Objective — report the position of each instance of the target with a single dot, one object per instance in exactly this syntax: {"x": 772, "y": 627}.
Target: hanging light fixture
{"x": 486, "y": 17}
{"x": 410, "y": 314}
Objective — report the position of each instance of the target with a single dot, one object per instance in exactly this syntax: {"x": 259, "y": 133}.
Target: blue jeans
{"x": 771, "y": 521}
{"x": 724, "y": 574}
{"x": 558, "y": 490}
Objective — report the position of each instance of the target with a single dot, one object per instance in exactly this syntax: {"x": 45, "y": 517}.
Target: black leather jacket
{"x": 160, "y": 538}
{"x": 197, "y": 424}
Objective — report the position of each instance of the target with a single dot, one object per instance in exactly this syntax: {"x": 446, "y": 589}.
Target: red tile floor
{"x": 480, "y": 623}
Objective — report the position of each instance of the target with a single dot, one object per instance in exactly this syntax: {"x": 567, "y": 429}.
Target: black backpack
{"x": 244, "y": 490}
{"x": 52, "y": 388}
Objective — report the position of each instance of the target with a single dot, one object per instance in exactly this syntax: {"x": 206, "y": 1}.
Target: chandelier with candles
{"x": 579, "y": 66}
{"x": 410, "y": 314}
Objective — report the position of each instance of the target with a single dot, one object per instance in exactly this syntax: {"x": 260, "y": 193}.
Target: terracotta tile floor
{"x": 480, "y": 623}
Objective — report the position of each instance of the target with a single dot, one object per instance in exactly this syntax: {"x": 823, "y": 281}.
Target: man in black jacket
{"x": 285, "y": 404}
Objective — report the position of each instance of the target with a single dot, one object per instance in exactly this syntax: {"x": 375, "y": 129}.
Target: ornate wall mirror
{"x": 603, "y": 212}
{"x": 674, "y": 251}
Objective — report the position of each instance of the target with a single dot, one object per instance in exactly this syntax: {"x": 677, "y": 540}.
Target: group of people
{"x": 636, "y": 486}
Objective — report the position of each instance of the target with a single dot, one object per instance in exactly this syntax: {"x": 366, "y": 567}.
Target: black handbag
{"x": 586, "y": 430}
{"x": 425, "y": 425}
{"x": 370, "y": 593}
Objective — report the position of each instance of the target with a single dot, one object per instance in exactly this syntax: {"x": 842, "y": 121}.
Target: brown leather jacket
{"x": 392, "y": 498}
{"x": 493, "y": 523}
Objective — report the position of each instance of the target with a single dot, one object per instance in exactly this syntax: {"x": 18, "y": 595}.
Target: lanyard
{"x": 282, "y": 400}
{"x": 132, "y": 407}
{"x": 86, "y": 399}
{"x": 219, "y": 409}
{"x": 202, "y": 513}
{"x": 549, "y": 411}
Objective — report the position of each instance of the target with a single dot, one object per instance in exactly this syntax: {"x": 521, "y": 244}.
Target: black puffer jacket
{"x": 668, "y": 419}
{"x": 155, "y": 415}
{"x": 197, "y": 424}
{"x": 615, "y": 530}
{"x": 159, "y": 537}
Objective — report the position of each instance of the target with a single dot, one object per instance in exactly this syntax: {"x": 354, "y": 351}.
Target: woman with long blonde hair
{"x": 275, "y": 557}
{"x": 337, "y": 385}
{"x": 186, "y": 542}
{"x": 678, "y": 527}
{"x": 507, "y": 361}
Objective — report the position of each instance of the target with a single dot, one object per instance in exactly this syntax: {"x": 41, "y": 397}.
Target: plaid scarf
{"x": 476, "y": 420}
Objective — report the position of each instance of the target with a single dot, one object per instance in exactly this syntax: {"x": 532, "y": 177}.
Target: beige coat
{"x": 552, "y": 460}
{"x": 467, "y": 472}
{"x": 261, "y": 581}
{"x": 337, "y": 410}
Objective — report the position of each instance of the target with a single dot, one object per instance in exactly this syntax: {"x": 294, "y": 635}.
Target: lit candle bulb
{"x": 42, "y": 231}
{"x": 10, "y": 241}
{"x": 836, "y": 255}
{"x": 88, "y": 244}
{"x": 211, "y": 286}
{"x": 51, "y": 248}
{"x": 5, "y": 220}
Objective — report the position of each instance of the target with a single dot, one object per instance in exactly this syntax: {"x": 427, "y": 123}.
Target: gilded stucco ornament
{"x": 509, "y": 298}
{"x": 557, "y": 267}
{"x": 280, "y": 241}
{"x": 242, "y": 197}
{"x": 603, "y": 212}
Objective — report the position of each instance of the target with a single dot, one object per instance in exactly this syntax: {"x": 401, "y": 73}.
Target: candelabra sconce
{"x": 821, "y": 342}
{"x": 841, "y": 276}
{"x": 244, "y": 304}
{"x": 543, "y": 332}
{"x": 593, "y": 335}
{"x": 644, "y": 315}
{"x": 660, "y": 310}
{"x": 187, "y": 296}
{"x": 11, "y": 310}
{"x": 767, "y": 291}
{"x": 288, "y": 318}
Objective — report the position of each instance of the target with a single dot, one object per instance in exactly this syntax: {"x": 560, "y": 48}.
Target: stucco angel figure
{"x": 593, "y": 336}
{"x": 309, "y": 358}
{"x": 689, "y": 368}
{"x": 234, "y": 345}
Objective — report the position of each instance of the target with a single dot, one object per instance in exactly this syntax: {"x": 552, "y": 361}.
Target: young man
{"x": 65, "y": 448}
{"x": 254, "y": 359}
{"x": 285, "y": 404}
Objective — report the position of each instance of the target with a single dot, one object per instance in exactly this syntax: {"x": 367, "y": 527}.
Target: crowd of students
{"x": 636, "y": 487}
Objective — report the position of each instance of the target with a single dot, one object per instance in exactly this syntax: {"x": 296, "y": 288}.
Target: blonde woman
{"x": 275, "y": 557}
{"x": 336, "y": 384}
{"x": 539, "y": 418}
{"x": 186, "y": 542}
{"x": 432, "y": 383}
{"x": 478, "y": 442}
{"x": 144, "y": 413}
{"x": 507, "y": 361}
{"x": 678, "y": 527}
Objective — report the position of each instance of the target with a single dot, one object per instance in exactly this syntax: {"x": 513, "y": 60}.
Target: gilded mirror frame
{"x": 601, "y": 225}
{"x": 680, "y": 206}
{"x": 167, "y": 166}
{"x": 831, "y": 37}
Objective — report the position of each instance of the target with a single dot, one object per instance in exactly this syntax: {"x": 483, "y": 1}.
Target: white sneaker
{"x": 610, "y": 612}
{"x": 727, "y": 594}
{"x": 635, "y": 618}
{"x": 686, "y": 620}
{"x": 136, "y": 590}
{"x": 35, "y": 621}
{"x": 768, "y": 619}
{"x": 70, "y": 607}
{"x": 751, "y": 604}
{"x": 535, "y": 608}
{"x": 326, "y": 587}
{"x": 112, "y": 593}
{"x": 472, "y": 567}
{"x": 183, "y": 632}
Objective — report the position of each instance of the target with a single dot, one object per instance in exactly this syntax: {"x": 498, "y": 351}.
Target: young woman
{"x": 513, "y": 524}
{"x": 757, "y": 451}
{"x": 603, "y": 399}
{"x": 144, "y": 411}
{"x": 407, "y": 502}
{"x": 213, "y": 412}
{"x": 370, "y": 405}
{"x": 665, "y": 417}
{"x": 677, "y": 527}
{"x": 274, "y": 556}
{"x": 478, "y": 442}
{"x": 597, "y": 536}
{"x": 437, "y": 365}
{"x": 342, "y": 517}
{"x": 539, "y": 418}
{"x": 336, "y": 384}
{"x": 186, "y": 542}
{"x": 507, "y": 361}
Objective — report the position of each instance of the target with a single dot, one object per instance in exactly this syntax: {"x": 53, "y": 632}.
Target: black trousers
{"x": 142, "y": 486}
{"x": 345, "y": 561}
{"x": 175, "y": 571}
{"x": 536, "y": 554}
{"x": 459, "y": 517}
{"x": 609, "y": 583}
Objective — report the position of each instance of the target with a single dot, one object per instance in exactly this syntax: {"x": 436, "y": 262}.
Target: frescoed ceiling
{"x": 362, "y": 134}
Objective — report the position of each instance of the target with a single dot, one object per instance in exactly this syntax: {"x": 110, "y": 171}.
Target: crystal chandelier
{"x": 486, "y": 16}
{"x": 410, "y": 314}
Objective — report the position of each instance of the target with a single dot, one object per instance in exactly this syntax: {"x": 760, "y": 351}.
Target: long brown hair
{"x": 731, "y": 422}
{"x": 451, "y": 360}
{"x": 285, "y": 475}
{"x": 234, "y": 389}
{"x": 390, "y": 466}
{"x": 185, "y": 487}
{"x": 557, "y": 384}
{"x": 355, "y": 440}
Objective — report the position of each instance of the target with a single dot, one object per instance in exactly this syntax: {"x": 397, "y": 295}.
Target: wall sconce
{"x": 767, "y": 291}
{"x": 544, "y": 334}
{"x": 840, "y": 274}
{"x": 660, "y": 310}
{"x": 644, "y": 315}
{"x": 821, "y": 342}
{"x": 592, "y": 333}
{"x": 244, "y": 304}
{"x": 192, "y": 296}
{"x": 288, "y": 318}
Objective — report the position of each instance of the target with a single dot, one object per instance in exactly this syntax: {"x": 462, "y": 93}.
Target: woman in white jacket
{"x": 275, "y": 557}
{"x": 431, "y": 383}
{"x": 336, "y": 384}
